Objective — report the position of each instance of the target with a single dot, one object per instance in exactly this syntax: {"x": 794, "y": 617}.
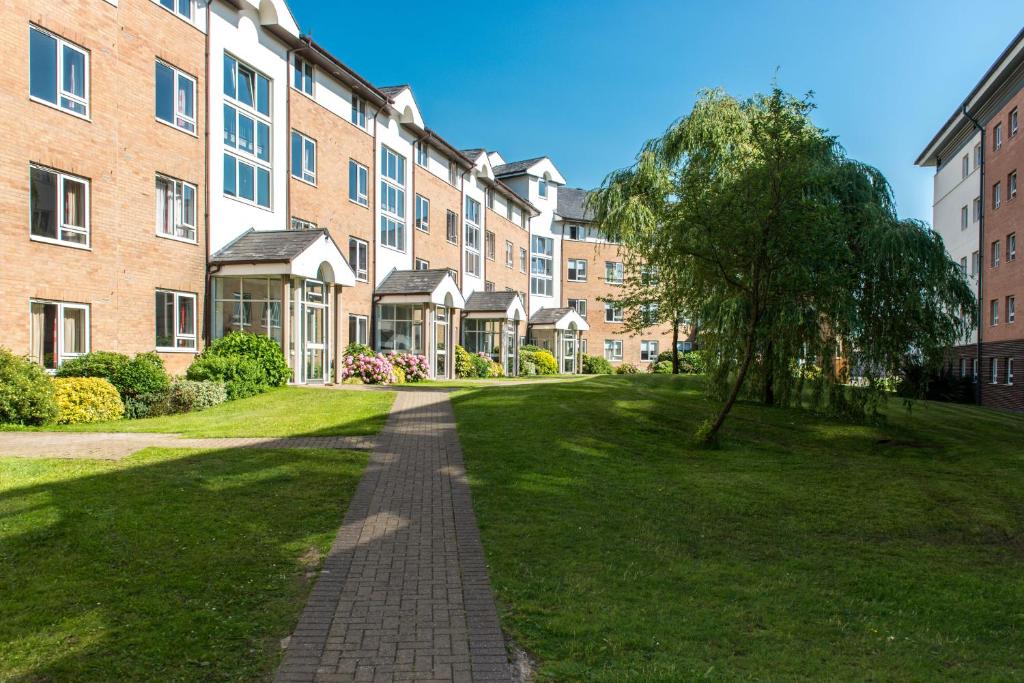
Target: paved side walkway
{"x": 404, "y": 593}
{"x": 114, "y": 446}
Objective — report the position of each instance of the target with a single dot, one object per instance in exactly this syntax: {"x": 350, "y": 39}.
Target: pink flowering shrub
{"x": 415, "y": 366}
{"x": 370, "y": 369}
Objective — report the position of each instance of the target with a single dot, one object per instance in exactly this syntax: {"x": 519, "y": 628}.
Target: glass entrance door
{"x": 510, "y": 349}
{"x": 315, "y": 331}
{"x": 568, "y": 352}
{"x": 441, "y": 342}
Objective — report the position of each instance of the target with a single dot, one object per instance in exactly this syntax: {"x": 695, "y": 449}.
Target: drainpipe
{"x": 981, "y": 253}
{"x": 208, "y": 284}
{"x": 371, "y": 264}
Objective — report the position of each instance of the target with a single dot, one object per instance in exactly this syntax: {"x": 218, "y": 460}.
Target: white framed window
{"x": 583, "y": 346}
{"x": 359, "y": 258}
{"x": 59, "y": 330}
{"x": 612, "y": 313}
{"x": 302, "y": 75}
{"x": 58, "y": 72}
{"x": 974, "y": 369}
{"x": 454, "y": 274}
{"x": 303, "y": 158}
{"x": 489, "y": 197}
{"x": 509, "y": 209}
{"x": 358, "y": 183}
{"x": 993, "y": 368}
{"x": 993, "y": 312}
{"x": 1011, "y": 247}
{"x": 963, "y": 366}
{"x": 510, "y": 254}
{"x": 577, "y": 232}
{"x": 614, "y": 273}
{"x": 965, "y": 166}
{"x": 995, "y": 254}
{"x": 542, "y": 187}
{"x": 1009, "y": 371}
{"x": 1014, "y": 123}
{"x": 247, "y": 133}
{"x": 452, "y": 227}
{"x": 175, "y": 321}
{"x": 522, "y": 260}
{"x": 472, "y": 237}
{"x": 488, "y": 286}
{"x": 422, "y": 213}
{"x": 1011, "y": 309}
{"x": 392, "y": 199}
{"x": 358, "y": 329}
{"x": 359, "y": 111}
{"x": 613, "y": 349}
{"x": 422, "y": 264}
{"x": 422, "y": 153}
{"x": 175, "y": 209}
{"x": 453, "y": 173}
{"x": 579, "y": 305}
{"x": 489, "y": 245}
{"x": 976, "y": 214}
{"x": 1011, "y": 185}
{"x": 977, "y": 155}
{"x": 997, "y": 136}
{"x": 963, "y": 217}
{"x": 183, "y": 8}
{"x": 302, "y": 224}
{"x": 649, "y": 350}
{"x": 175, "y": 97}
{"x": 577, "y": 270}
{"x": 963, "y": 265}
{"x": 541, "y": 265}
{"x": 59, "y": 207}
{"x": 975, "y": 263}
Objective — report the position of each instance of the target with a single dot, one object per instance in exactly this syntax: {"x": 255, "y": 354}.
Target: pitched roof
{"x": 572, "y": 204}
{"x": 392, "y": 90}
{"x": 549, "y": 316}
{"x": 473, "y": 154}
{"x": 515, "y": 167}
{"x": 412, "y": 281}
{"x": 489, "y": 301}
{"x": 267, "y": 246}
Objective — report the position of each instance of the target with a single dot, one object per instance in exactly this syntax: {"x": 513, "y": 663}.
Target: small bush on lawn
{"x": 627, "y": 369}
{"x": 542, "y": 360}
{"x": 369, "y": 369}
{"x": 105, "y": 364}
{"x": 263, "y": 351}
{"x": 240, "y": 375}
{"x": 481, "y": 364}
{"x": 414, "y": 366}
{"x": 596, "y": 365}
{"x": 357, "y": 349}
{"x": 399, "y": 374}
{"x": 26, "y": 391}
{"x": 662, "y": 367}
{"x": 527, "y": 368}
{"x": 495, "y": 370}
{"x": 142, "y": 381}
{"x": 187, "y": 395}
{"x": 86, "y": 399}
{"x": 463, "y": 363}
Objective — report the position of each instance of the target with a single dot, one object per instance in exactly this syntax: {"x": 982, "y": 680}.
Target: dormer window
{"x": 542, "y": 187}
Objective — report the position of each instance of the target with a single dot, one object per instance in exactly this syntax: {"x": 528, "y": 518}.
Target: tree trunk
{"x": 768, "y": 398}
{"x": 675, "y": 346}
{"x": 748, "y": 357}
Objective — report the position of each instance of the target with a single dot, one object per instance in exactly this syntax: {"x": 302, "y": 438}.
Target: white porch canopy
{"x": 434, "y": 286}
{"x": 558, "y": 319}
{"x": 300, "y": 253}
{"x": 495, "y": 305}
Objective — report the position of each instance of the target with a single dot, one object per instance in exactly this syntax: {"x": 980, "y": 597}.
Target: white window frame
{"x": 421, "y": 264}
{"x": 993, "y": 312}
{"x": 613, "y": 313}
{"x": 510, "y": 254}
{"x": 1011, "y": 309}
{"x": 579, "y": 305}
{"x": 62, "y": 224}
{"x": 542, "y": 188}
{"x": 301, "y": 224}
{"x": 178, "y": 219}
{"x": 619, "y": 271}
{"x": 362, "y": 247}
{"x": 362, "y": 175}
{"x": 965, "y": 166}
{"x": 177, "y": 7}
{"x": 1014, "y": 122}
{"x": 362, "y": 323}
{"x": 61, "y": 307}
{"x": 307, "y": 162}
{"x": 358, "y": 116}
{"x": 472, "y": 238}
{"x": 649, "y": 350}
{"x": 573, "y": 270}
{"x": 304, "y": 72}
{"x": 613, "y": 349}
{"x": 964, "y": 221}
{"x": 422, "y": 153}
{"x": 182, "y": 121}
{"x": 490, "y": 245}
{"x": 244, "y": 157}
{"x": 422, "y": 222}
{"x": 61, "y": 93}
{"x": 1011, "y": 247}
{"x": 451, "y": 226}
{"x": 524, "y": 258}
{"x": 178, "y": 335}
{"x": 996, "y": 254}
{"x": 993, "y": 366}
{"x": 1011, "y": 185}
{"x": 997, "y": 136}
{"x": 1009, "y": 371}
{"x": 453, "y": 174}
{"x": 542, "y": 266}
{"x": 391, "y": 226}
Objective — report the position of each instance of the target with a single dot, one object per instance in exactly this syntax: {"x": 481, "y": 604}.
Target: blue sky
{"x": 587, "y": 82}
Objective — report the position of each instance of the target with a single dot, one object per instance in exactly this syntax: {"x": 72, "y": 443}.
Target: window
{"x": 1011, "y": 309}
{"x": 1009, "y": 371}
{"x": 422, "y": 264}
{"x": 183, "y": 8}
{"x": 963, "y": 217}
{"x": 577, "y": 271}
{"x": 422, "y": 153}
{"x": 58, "y": 331}
{"x": 400, "y": 327}
{"x": 577, "y": 232}
{"x": 453, "y": 173}
{"x": 422, "y": 213}
{"x": 1013, "y": 122}
{"x": 510, "y": 254}
{"x": 613, "y": 349}
{"x": 392, "y": 199}
{"x": 451, "y": 220}
{"x": 977, "y": 155}
{"x": 963, "y": 265}
{"x": 455, "y": 275}
{"x": 358, "y": 328}
{"x": 303, "y": 158}
{"x": 488, "y": 286}
{"x": 994, "y": 312}
{"x": 579, "y": 305}
{"x": 963, "y": 366}
{"x": 359, "y": 257}
{"x": 59, "y": 207}
{"x": 489, "y": 245}
{"x": 965, "y": 166}
{"x": 489, "y": 198}
{"x": 612, "y": 313}
{"x": 583, "y": 346}
{"x": 975, "y": 263}
{"x": 249, "y": 304}
{"x": 649, "y": 350}
{"x": 997, "y": 195}
{"x": 358, "y": 183}
{"x": 993, "y": 368}
{"x": 1011, "y": 185}
{"x": 1011, "y": 247}
{"x": 246, "y": 133}
{"x": 175, "y": 209}
{"x": 542, "y": 187}
{"x": 522, "y": 219}
{"x": 541, "y": 265}
{"x": 359, "y": 111}
{"x": 175, "y": 97}
{"x": 995, "y": 254}
{"x": 302, "y": 75}
{"x": 472, "y": 239}
{"x": 508, "y": 209}
{"x": 58, "y": 72}
{"x": 522, "y": 260}
{"x": 977, "y": 209}
{"x": 302, "y": 224}
{"x": 175, "y": 321}
{"x": 613, "y": 272}
{"x": 997, "y": 136}
{"x": 482, "y": 336}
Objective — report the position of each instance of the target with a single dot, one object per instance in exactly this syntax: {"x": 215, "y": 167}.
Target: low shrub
{"x": 106, "y": 364}
{"x": 370, "y": 369}
{"x": 142, "y": 382}
{"x": 463, "y": 363}
{"x": 531, "y": 347}
{"x": 399, "y": 374}
{"x": 527, "y": 368}
{"x": 188, "y": 395}
{"x": 627, "y": 369}
{"x": 262, "y": 350}
{"x": 544, "y": 362}
{"x": 240, "y": 375}
{"x": 414, "y": 366}
{"x": 596, "y": 365}
{"x": 26, "y": 391}
{"x": 481, "y": 364}
{"x": 357, "y": 349}
{"x": 86, "y": 399}
{"x": 495, "y": 370}
{"x": 662, "y": 367}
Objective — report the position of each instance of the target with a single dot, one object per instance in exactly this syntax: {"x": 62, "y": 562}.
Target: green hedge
{"x": 142, "y": 382}
{"x": 541, "y": 359}
{"x": 240, "y": 375}
{"x": 86, "y": 399}
{"x": 26, "y": 391}
{"x": 596, "y": 365}
{"x": 261, "y": 350}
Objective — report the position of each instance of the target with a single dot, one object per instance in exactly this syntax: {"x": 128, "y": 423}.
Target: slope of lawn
{"x": 803, "y": 548}
{"x": 288, "y": 411}
{"x": 171, "y": 565}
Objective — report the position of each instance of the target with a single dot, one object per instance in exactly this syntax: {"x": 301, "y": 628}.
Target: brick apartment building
{"x": 978, "y": 212}
{"x": 193, "y": 168}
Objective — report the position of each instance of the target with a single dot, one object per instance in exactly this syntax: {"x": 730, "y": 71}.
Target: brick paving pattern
{"x": 404, "y": 593}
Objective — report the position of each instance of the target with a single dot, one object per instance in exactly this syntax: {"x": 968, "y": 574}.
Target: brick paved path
{"x": 404, "y": 593}
{"x": 114, "y": 446}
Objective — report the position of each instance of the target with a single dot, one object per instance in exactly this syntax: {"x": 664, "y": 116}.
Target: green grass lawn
{"x": 288, "y": 411}
{"x": 802, "y": 548}
{"x": 171, "y": 565}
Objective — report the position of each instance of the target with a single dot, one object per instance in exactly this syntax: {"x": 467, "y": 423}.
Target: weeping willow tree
{"x": 789, "y": 253}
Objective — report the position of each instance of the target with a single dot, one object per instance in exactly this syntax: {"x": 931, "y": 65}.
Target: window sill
{"x": 303, "y": 180}
{"x": 60, "y": 243}
{"x": 172, "y": 349}
{"x": 291, "y": 86}
{"x": 394, "y": 249}
{"x": 247, "y": 202}
{"x": 175, "y": 238}
{"x": 364, "y": 205}
{"x": 177, "y": 128}
{"x": 51, "y": 105}
{"x": 424, "y": 230}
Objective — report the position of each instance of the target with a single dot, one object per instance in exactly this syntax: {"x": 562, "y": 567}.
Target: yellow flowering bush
{"x": 86, "y": 399}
